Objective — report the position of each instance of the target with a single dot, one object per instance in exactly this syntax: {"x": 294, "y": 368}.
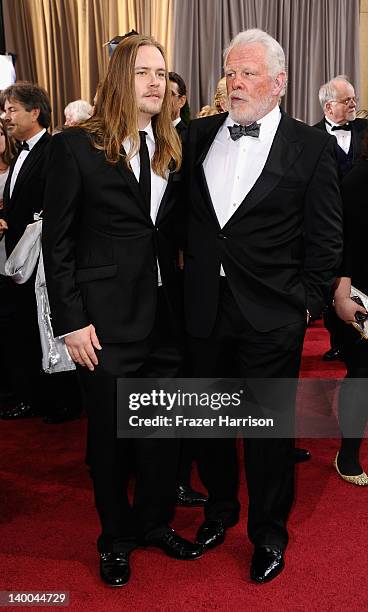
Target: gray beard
{"x": 248, "y": 117}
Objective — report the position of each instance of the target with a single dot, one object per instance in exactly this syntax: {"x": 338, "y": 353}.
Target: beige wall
{"x": 363, "y": 54}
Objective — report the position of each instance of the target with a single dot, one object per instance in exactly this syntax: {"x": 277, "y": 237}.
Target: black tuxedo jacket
{"x": 181, "y": 129}
{"x": 27, "y": 196}
{"x": 281, "y": 248}
{"x": 358, "y": 127}
{"x": 100, "y": 245}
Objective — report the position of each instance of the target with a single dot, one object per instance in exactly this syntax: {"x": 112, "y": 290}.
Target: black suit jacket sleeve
{"x": 61, "y": 208}
{"x": 323, "y": 230}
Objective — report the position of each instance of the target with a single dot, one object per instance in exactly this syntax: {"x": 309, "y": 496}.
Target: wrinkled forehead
{"x": 243, "y": 55}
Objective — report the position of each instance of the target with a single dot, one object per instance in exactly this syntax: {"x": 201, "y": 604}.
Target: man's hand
{"x": 346, "y": 308}
{"x": 3, "y": 227}
{"x": 81, "y": 345}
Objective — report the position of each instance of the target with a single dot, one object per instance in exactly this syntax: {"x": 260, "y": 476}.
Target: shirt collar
{"x": 331, "y": 123}
{"x": 268, "y": 123}
{"x": 176, "y": 121}
{"x": 149, "y": 131}
{"x": 127, "y": 143}
{"x": 34, "y": 140}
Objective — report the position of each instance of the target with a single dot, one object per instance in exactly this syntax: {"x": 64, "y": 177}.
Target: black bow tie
{"x": 346, "y": 127}
{"x": 237, "y": 131}
{"x": 23, "y": 146}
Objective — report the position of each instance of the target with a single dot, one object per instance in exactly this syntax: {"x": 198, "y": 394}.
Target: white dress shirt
{"x": 232, "y": 167}
{"x": 176, "y": 121}
{"x": 343, "y": 137}
{"x": 22, "y": 157}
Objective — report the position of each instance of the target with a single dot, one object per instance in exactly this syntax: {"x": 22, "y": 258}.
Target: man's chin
{"x": 244, "y": 118}
{"x": 151, "y": 108}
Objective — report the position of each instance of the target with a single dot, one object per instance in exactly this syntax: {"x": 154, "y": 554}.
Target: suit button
{"x": 222, "y": 237}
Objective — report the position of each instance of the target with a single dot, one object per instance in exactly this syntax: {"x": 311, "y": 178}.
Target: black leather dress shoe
{"x": 267, "y": 563}
{"x": 175, "y": 546}
{"x": 20, "y": 411}
{"x": 114, "y": 568}
{"x": 334, "y": 354}
{"x": 211, "y": 534}
{"x": 61, "y": 416}
{"x": 186, "y": 496}
{"x": 301, "y": 454}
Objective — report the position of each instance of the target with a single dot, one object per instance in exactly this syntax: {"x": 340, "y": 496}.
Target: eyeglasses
{"x": 175, "y": 95}
{"x": 347, "y": 101}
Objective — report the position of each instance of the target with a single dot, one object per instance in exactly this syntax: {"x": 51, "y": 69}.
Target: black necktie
{"x": 145, "y": 171}
{"x": 237, "y": 131}
{"x": 346, "y": 127}
{"x": 23, "y": 146}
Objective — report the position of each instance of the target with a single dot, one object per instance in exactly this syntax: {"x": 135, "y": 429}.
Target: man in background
{"x": 57, "y": 396}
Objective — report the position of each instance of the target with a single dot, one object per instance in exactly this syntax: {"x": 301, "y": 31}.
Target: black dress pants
{"x": 269, "y": 463}
{"x": 124, "y": 525}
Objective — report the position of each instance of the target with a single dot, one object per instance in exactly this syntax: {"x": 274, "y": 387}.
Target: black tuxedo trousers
{"x": 269, "y": 463}
{"x": 125, "y": 524}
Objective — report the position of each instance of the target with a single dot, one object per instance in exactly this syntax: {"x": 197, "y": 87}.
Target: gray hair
{"x": 79, "y": 110}
{"x": 274, "y": 52}
{"x": 328, "y": 91}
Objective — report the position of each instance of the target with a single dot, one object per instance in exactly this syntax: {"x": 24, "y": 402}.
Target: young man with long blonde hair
{"x": 109, "y": 213}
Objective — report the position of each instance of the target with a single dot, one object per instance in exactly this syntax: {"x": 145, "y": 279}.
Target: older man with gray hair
{"x": 339, "y": 104}
{"x": 264, "y": 243}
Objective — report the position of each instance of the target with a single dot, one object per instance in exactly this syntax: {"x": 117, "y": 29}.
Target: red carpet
{"x": 48, "y": 528}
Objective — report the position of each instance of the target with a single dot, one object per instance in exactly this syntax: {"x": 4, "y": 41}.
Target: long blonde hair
{"x": 115, "y": 116}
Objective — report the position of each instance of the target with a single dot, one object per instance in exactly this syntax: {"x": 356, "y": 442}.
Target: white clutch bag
{"x": 23, "y": 259}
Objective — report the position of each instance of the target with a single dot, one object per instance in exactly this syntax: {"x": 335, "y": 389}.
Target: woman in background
{"x": 353, "y": 403}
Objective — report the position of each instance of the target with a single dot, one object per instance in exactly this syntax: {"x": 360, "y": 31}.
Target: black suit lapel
{"x": 204, "y": 147}
{"x": 284, "y": 151}
{"x": 209, "y": 137}
{"x": 31, "y": 159}
{"x": 129, "y": 178}
{"x": 163, "y": 207}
